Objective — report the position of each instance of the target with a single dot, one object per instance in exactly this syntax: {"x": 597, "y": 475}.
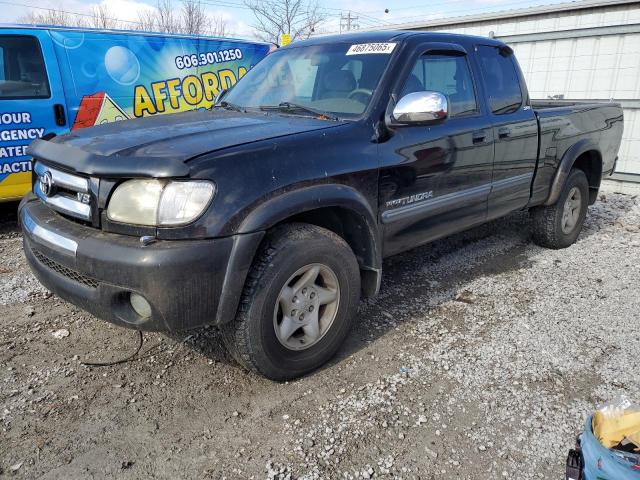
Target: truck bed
{"x": 544, "y": 104}
{"x": 565, "y": 123}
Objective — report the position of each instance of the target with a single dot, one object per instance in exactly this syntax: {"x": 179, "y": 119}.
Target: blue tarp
{"x": 601, "y": 463}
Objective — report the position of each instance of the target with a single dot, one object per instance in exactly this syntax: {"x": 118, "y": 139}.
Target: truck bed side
{"x": 571, "y": 130}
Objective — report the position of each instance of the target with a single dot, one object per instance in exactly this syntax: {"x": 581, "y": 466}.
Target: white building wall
{"x": 590, "y": 68}
{"x": 594, "y": 67}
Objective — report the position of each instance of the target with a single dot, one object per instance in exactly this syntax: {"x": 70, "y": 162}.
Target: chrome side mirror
{"x": 421, "y": 107}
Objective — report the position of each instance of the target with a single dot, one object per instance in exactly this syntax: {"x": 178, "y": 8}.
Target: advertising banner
{"x": 100, "y": 77}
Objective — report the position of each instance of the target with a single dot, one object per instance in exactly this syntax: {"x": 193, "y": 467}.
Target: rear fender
{"x": 566, "y": 164}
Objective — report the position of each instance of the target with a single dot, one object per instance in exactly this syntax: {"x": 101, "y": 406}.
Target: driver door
{"x": 435, "y": 179}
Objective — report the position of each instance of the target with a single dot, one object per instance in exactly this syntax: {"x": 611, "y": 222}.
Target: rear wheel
{"x": 298, "y": 303}
{"x": 558, "y": 225}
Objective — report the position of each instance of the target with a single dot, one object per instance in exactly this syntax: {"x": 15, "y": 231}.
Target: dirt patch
{"x": 479, "y": 359}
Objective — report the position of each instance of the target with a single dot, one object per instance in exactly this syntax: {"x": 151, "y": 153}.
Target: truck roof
{"x": 25, "y": 26}
{"x": 392, "y": 35}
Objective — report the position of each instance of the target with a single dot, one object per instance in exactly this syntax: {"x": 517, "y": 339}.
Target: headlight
{"x": 160, "y": 202}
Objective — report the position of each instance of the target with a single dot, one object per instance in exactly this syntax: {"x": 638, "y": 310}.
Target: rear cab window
{"x": 501, "y": 80}
{"x": 23, "y": 74}
{"x": 447, "y": 74}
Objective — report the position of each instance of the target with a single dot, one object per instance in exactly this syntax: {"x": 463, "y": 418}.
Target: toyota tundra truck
{"x": 269, "y": 215}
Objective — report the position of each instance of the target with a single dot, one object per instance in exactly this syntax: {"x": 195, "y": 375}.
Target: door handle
{"x": 58, "y": 112}
{"x": 504, "y": 132}
{"x": 478, "y": 136}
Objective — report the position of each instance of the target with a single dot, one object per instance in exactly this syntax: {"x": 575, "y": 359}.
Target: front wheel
{"x": 298, "y": 303}
{"x": 558, "y": 225}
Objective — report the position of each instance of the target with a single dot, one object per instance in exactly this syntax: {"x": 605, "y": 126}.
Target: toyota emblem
{"x": 46, "y": 183}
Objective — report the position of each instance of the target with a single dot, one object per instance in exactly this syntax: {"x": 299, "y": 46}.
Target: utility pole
{"x": 348, "y": 22}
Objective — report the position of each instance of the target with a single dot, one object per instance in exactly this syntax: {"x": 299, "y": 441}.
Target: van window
{"x": 501, "y": 79}
{"x": 22, "y": 70}
{"x": 446, "y": 74}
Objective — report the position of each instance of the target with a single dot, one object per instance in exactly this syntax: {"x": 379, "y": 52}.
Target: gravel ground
{"x": 480, "y": 359}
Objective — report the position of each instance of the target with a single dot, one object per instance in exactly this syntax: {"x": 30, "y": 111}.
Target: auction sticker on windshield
{"x": 364, "y": 48}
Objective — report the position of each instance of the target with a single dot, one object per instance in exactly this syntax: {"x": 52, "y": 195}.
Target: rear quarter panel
{"x": 562, "y": 127}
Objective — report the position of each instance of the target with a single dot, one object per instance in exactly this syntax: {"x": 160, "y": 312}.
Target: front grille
{"x": 65, "y": 271}
{"x": 64, "y": 192}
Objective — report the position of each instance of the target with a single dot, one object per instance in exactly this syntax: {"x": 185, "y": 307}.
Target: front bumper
{"x": 188, "y": 283}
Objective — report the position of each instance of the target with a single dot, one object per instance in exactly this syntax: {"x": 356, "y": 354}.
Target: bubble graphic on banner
{"x": 89, "y": 69}
{"x": 122, "y": 65}
{"x": 69, "y": 40}
{"x": 137, "y": 44}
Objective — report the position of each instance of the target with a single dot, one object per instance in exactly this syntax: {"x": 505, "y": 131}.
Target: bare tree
{"x": 166, "y": 19}
{"x": 275, "y": 17}
{"x": 191, "y": 19}
{"x": 53, "y": 17}
{"x": 103, "y": 18}
{"x": 314, "y": 17}
{"x": 195, "y": 21}
{"x": 146, "y": 20}
{"x": 219, "y": 27}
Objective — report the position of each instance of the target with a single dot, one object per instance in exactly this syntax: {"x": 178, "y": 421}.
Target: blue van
{"x": 54, "y": 80}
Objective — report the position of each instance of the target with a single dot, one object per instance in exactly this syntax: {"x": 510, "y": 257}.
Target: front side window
{"x": 22, "y": 70}
{"x": 501, "y": 79}
{"x": 446, "y": 74}
{"x": 320, "y": 77}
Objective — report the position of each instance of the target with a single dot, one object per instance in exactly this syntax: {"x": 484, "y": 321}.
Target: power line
{"x": 368, "y": 20}
{"x": 223, "y": 3}
{"x": 501, "y": 7}
{"x": 233, "y": 4}
{"x": 348, "y": 22}
{"x": 422, "y": 6}
{"x": 69, "y": 12}
{"x": 397, "y": 23}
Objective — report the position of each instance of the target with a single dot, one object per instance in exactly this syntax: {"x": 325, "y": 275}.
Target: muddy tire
{"x": 558, "y": 225}
{"x": 298, "y": 303}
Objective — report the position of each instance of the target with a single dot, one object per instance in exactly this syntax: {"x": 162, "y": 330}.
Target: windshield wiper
{"x": 289, "y": 107}
{"x": 229, "y": 106}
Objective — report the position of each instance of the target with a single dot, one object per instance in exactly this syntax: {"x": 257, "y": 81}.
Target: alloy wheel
{"x": 306, "y": 307}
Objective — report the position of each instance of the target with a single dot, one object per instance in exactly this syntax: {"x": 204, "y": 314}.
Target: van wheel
{"x": 298, "y": 303}
{"x": 558, "y": 225}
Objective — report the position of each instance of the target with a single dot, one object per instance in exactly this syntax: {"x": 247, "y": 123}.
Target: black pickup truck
{"x": 269, "y": 215}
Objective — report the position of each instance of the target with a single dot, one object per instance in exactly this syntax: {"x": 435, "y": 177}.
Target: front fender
{"x": 363, "y": 232}
{"x": 294, "y": 202}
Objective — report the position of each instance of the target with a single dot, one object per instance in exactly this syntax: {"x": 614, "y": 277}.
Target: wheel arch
{"x": 338, "y": 208}
{"x": 590, "y": 162}
{"x": 586, "y": 156}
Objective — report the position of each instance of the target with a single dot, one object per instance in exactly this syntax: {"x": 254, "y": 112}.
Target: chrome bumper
{"x": 50, "y": 238}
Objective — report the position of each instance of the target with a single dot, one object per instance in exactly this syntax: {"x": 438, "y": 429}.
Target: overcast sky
{"x": 239, "y": 18}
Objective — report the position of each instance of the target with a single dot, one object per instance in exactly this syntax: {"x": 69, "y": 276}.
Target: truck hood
{"x": 160, "y": 146}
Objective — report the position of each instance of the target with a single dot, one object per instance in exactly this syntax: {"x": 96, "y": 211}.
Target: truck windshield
{"x": 336, "y": 79}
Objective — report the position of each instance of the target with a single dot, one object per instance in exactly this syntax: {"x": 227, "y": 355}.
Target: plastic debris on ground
{"x": 609, "y": 447}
